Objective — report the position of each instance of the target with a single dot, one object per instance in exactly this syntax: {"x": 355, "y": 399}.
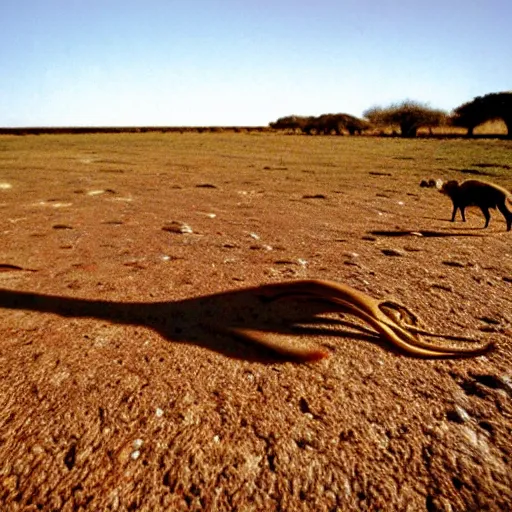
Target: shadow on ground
{"x": 423, "y": 233}
{"x": 205, "y": 321}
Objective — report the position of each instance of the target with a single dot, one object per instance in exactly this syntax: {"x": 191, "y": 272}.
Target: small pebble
{"x": 177, "y": 227}
{"x": 489, "y": 320}
{"x": 453, "y": 263}
{"x": 392, "y": 252}
{"x": 314, "y": 196}
{"x": 205, "y": 185}
{"x": 458, "y": 414}
{"x": 445, "y": 287}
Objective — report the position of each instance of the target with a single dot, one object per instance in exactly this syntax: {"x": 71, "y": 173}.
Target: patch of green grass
{"x": 233, "y": 152}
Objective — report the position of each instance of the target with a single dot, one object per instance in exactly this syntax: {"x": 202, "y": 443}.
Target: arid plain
{"x": 115, "y": 393}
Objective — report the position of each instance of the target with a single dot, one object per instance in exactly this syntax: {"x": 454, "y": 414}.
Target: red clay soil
{"x": 119, "y": 390}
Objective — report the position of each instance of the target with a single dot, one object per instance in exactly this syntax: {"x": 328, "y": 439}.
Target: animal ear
{"x": 439, "y": 184}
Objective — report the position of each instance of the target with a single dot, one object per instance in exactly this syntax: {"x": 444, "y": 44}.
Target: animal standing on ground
{"x": 477, "y": 193}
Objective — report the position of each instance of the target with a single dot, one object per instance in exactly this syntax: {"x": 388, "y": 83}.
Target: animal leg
{"x": 506, "y": 213}
{"x": 487, "y": 215}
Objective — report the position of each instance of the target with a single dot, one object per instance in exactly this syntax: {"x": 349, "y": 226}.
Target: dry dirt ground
{"x": 116, "y": 393}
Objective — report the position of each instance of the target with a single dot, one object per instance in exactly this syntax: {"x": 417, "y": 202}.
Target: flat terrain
{"x": 116, "y": 393}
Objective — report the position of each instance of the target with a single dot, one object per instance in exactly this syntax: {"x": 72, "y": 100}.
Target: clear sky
{"x": 235, "y": 62}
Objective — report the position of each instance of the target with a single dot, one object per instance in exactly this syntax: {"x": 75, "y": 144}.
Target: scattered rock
{"x": 314, "y": 196}
{"x": 177, "y": 227}
{"x": 99, "y": 192}
{"x": 262, "y": 247}
{"x": 205, "y": 185}
{"x": 54, "y": 204}
{"x": 491, "y": 328}
{"x": 445, "y": 287}
{"x": 392, "y": 252}
{"x": 453, "y": 263}
{"x": 62, "y": 226}
{"x": 137, "y": 264}
{"x": 458, "y": 414}
{"x": 6, "y": 267}
{"x": 489, "y": 320}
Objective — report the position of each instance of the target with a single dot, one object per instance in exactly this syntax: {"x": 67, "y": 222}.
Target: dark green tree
{"x": 496, "y": 105}
{"x": 408, "y": 115}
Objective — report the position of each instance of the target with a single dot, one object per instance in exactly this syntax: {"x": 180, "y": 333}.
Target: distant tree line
{"x": 325, "y": 124}
{"x": 408, "y": 117}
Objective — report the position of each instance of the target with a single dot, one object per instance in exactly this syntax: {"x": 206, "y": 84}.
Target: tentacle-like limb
{"x": 391, "y": 320}
{"x": 280, "y": 346}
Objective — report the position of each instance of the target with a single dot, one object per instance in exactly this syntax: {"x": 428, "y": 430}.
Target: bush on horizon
{"x": 409, "y": 116}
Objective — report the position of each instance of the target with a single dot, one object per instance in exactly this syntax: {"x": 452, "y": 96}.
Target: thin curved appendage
{"x": 276, "y": 344}
{"x": 383, "y": 316}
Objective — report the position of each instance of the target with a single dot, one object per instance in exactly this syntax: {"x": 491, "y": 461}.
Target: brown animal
{"x": 478, "y": 193}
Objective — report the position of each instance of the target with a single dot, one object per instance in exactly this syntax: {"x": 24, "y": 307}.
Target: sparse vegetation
{"x": 336, "y": 123}
{"x": 293, "y": 123}
{"x": 481, "y": 109}
{"x": 409, "y": 116}
{"x": 325, "y": 124}
{"x": 485, "y": 116}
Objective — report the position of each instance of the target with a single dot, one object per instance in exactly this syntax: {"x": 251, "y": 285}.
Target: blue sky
{"x": 227, "y": 62}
